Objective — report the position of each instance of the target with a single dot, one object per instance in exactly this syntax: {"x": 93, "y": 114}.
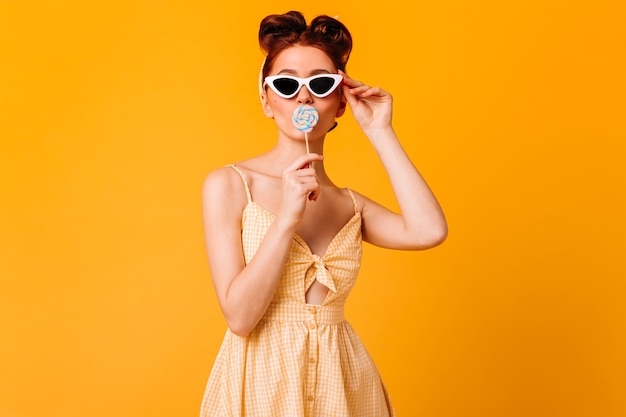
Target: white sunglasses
{"x": 287, "y": 86}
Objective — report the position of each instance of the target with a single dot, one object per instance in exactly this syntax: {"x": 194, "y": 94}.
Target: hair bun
{"x": 329, "y": 30}
{"x": 279, "y": 28}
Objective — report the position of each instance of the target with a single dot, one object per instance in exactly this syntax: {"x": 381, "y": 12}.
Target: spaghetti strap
{"x": 353, "y": 200}
{"x": 243, "y": 178}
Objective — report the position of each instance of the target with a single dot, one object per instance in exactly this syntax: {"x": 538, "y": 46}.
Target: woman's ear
{"x": 267, "y": 109}
{"x": 342, "y": 106}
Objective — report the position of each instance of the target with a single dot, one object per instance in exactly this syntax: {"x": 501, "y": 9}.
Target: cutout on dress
{"x": 317, "y": 293}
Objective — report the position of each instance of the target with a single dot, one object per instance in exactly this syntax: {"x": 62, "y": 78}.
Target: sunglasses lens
{"x": 286, "y": 86}
{"x": 321, "y": 85}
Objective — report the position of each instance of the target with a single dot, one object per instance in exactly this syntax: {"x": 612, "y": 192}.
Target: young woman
{"x": 284, "y": 242}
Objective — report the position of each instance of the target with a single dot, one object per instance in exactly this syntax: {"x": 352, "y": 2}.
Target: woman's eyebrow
{"x": 290, "y": 71}
{"x": 320, "y": 71}
{"x": 287, "y": 71}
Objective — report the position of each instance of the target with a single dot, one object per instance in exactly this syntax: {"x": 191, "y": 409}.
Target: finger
{"x": 360, "y": 90}
{"x": 304, "y": 184}
{"x": 309, "y": 182}
{"x": 303, "y": 177}
{"x": 306, "y": 174}
{"x": 374, "y": 92}
{"x": 350, "y": 97}
{"x": 350, "y": 82}
{"x": 315, "y": 192}
{"x": 302, "y": 161}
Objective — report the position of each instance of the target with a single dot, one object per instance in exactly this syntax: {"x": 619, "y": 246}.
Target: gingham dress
{"x": 301, "y": 359}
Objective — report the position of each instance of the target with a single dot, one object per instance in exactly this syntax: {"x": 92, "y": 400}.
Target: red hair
{"x": 278, "y": 32}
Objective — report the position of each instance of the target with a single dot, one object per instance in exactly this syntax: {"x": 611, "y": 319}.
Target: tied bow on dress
{"x": 320, "y": 268}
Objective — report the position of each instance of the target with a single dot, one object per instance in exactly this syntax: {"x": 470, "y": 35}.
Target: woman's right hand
{"x": 300, "y": 183}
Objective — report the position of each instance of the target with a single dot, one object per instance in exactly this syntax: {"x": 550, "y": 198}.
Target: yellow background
{"x": 112, "y": 113}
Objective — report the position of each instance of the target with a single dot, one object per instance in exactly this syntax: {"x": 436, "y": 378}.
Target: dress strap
{"x": 353, "y": 200}
{"x": 243, "y": 178}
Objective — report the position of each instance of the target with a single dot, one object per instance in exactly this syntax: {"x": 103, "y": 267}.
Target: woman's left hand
{"x": 371, "y": 106}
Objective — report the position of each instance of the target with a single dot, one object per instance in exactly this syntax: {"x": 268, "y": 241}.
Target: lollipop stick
{"x": 306, "y": 141}
{"x": 310, "y": 164}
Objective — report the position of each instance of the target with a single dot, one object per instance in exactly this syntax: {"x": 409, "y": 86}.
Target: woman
{"x": 284, "y": 242}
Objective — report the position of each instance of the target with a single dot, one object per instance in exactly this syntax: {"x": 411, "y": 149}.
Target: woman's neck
{"x": 286, "y": 151}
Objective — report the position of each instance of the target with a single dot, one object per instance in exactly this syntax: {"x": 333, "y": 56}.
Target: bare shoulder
{"x": 360, "y": 200}
{"x": 221, "y": 177}
{"x": 224, "y": 187}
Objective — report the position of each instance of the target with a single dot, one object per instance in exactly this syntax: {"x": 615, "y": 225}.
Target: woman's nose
{"x": 305, "y": 96}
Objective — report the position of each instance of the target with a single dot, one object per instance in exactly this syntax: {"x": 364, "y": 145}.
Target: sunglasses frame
{"x": 303, "y": 81}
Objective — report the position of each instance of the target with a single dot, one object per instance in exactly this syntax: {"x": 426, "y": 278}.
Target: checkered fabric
{"x": 301, "y": 359}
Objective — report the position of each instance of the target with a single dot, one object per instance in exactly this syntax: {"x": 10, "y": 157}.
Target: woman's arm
{"x": 245, "y": 291}
{"x": 421, "y": 223}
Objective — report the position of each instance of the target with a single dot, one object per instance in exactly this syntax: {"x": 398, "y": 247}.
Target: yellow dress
{"x": 301, "y": 359}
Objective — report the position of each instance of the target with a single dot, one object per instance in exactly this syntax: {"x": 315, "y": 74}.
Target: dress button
{"x": 312, "y": 360}
{"x": 310, "y": 398}
{"x": 312, "y": 325}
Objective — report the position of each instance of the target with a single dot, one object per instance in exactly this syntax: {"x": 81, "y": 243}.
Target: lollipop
{"x": 304, "y": 119}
